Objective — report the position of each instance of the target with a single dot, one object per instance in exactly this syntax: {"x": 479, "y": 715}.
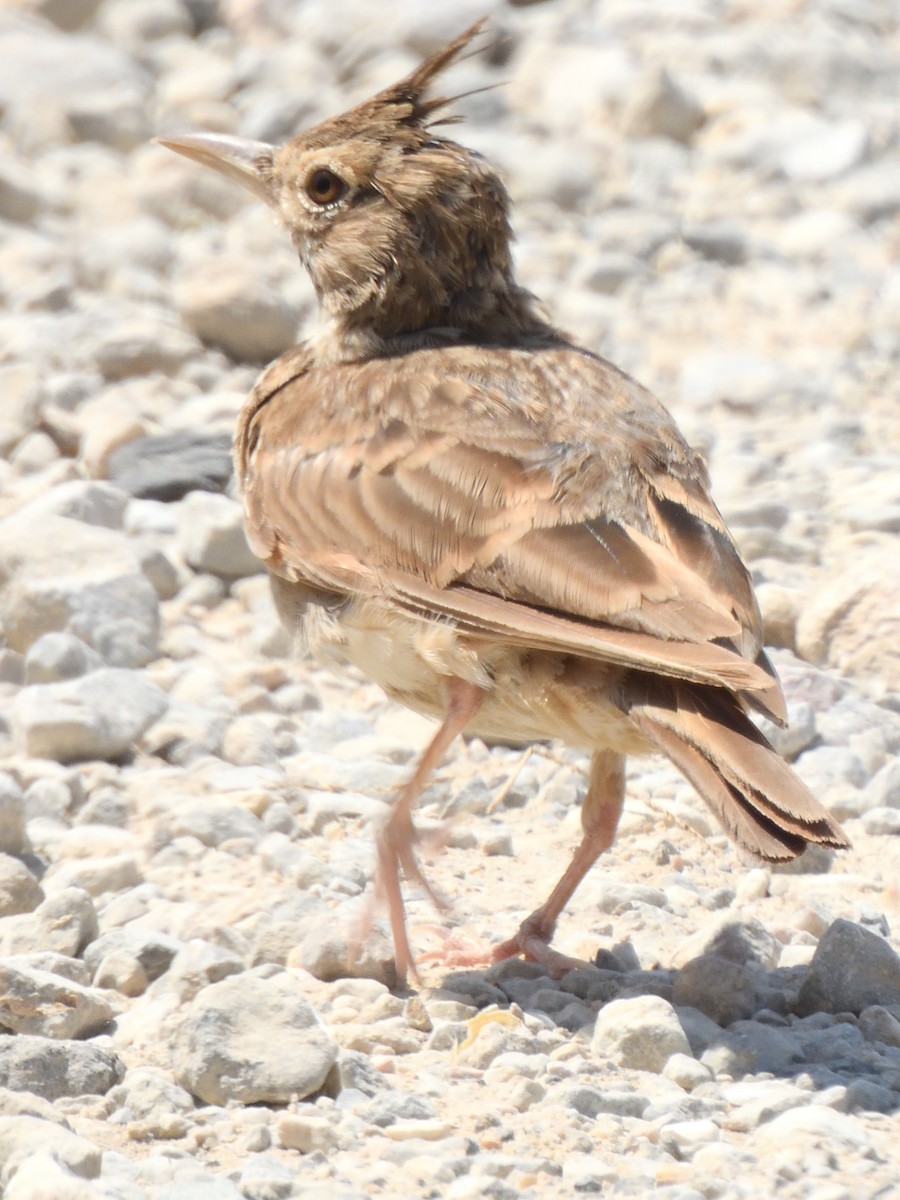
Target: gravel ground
{"x": 708, "y": 193}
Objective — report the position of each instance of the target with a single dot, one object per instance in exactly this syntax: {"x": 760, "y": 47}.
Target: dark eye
{"x": 324, "y": 187}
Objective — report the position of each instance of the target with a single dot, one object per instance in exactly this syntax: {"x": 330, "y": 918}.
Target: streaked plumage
{"x": 500, "y": 528}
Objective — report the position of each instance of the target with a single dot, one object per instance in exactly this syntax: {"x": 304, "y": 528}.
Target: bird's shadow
{"x": 767, "y": 1034}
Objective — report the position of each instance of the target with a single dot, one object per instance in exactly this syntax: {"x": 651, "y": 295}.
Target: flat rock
{"x": 252, "y": 1039}
{"x": 167, "y": 466}
{"x": 55, "y": 1067}
{"x": 80, "y": 578}
{"x": 99, "y": 716}
{"x": 851, "y": 969}
{"x": 35, "y": 1001}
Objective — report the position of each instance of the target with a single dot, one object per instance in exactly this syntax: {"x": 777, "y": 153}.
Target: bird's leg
{"x": 397, "y": 837}
{"x": 599, "y": 819}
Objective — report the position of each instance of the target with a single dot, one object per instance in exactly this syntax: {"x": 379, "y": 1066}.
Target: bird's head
{"x": 402, "y": 231}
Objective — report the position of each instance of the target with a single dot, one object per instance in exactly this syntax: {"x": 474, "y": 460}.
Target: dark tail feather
{"x": 759, "y": 800}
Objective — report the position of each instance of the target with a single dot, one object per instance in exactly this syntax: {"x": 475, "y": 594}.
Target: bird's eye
{"x": 324, "y": 187}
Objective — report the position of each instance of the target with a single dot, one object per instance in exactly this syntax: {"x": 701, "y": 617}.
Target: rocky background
{"x": 708, "y": 193}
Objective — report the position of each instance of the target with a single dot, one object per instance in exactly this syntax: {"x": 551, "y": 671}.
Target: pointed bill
{"x": 249, "y": 162}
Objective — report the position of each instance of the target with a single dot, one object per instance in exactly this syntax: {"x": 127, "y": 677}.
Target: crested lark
{"x": 498, "y": 527}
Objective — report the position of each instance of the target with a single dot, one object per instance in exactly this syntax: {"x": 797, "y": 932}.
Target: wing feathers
{"x": 458, "y": 480}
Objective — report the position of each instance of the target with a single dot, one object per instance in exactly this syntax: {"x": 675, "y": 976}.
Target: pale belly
{"x": 528, "y": 695}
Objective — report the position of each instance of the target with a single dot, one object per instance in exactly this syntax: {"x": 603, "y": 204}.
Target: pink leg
{"x": 397, "y": 837}
{"x": 599, "y": 819}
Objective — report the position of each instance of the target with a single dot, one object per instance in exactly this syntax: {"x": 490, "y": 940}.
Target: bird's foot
{"x": 456, "y": 950}
{"x": 532, "y": 941}
{"x": 396, "y": 858}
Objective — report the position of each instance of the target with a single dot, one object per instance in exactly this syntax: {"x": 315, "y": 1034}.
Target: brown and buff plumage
{"x": 497, "y": 526}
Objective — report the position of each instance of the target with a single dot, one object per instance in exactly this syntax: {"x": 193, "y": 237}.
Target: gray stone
{"x": 20, "y": 197}
{"x": 216, "y": 822}
{"x": 725, "y": 991}
{"x": 740, "y": 941}
{"x": 198, "y": 964}
{"x": 814, "y": 1122}
{"x": 12, "y": 816}
{"x": 355, "y": 1071}
{"x": 642, "y": 1032}
{"x": 722, "y": 241}
{"x": 876, "y": 1024}
{"x": 882, "y": 821}
{"x": 389, "y": 1107}
{"x": 661, "y": 107}
{"x": 212, "y": 536}
{"x": 140, "y": 345}
{"x": 39, "y": 1173}
{"x": 591, "y": 1101}
{"x": 220, "y": 1055}
{"x": 799, "y": 734}
{"x": 150, "y": 1092}
{"x": 608, "y": 273}
{"x": 102, "y": 117}
{"x": 100, "y": 715}
{"x": 20, "y": 892}
{"x": 90, "y": 501}
{"x": 24, "y": 1135}
{"x": 167, "y": 466}
{"x": 12, "y": 667}
{"x": 58, "y": 656}
{"x": 852, "y": 969}
{"x": 47, "y": 71}
{"x": 686, "y": 1072}
{"x": 64, "y": 923}
{"x": 866, "y": 1095}
{"x": 67, "y": 15}
{"x": 774, "y": 1050}
{"x": 852, "y": 621}
{"x": 155, "y": 951}
{"x": 326, "y": 946}
{"x": 34, "y": 1001}
{"x": 120, "y": 971}
{"x": 80, "y": 578}
{"x": 56, "y": 964}
{"x": 54, "y": 1067}
{"x": 883, "y": 789}
{"x": 232, "y": 305}
{"x": 824, "y": 767}
{"x": 263, "y": 1177}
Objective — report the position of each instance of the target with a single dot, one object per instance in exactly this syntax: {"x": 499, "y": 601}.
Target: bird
{"x": 496, "y": 525}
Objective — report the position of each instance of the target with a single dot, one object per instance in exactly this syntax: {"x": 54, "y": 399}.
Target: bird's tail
{"x": 756, "y": 796}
